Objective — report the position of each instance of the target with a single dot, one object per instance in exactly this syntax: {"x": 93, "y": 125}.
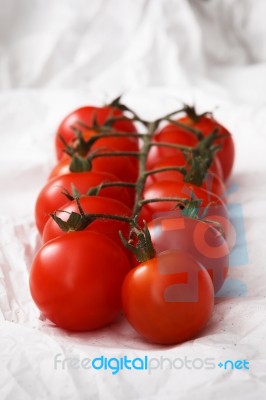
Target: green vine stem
{"x": 142, "y": 168}
{"x": 183, "y": 170}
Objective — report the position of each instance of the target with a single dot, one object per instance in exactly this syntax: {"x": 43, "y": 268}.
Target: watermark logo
{"x": 147, "y": 364}
{"x": 230, "y": 364}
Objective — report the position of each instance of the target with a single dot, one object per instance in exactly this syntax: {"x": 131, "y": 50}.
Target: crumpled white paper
{"x": 55, "y": 56}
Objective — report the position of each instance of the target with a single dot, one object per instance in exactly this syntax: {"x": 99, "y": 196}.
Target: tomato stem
{"x": 142, "y": 169}
{"x": 186, "y": 149}
{"x": 178, "y": 200}
{"x": 115, "y": 154}
{"x": 183, "y": 170}
{"x": 186, "y": 127}
{"x": 107, "y": 131}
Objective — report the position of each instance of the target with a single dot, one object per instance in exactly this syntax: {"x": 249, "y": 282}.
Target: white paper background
{"x": 58, "y": 55}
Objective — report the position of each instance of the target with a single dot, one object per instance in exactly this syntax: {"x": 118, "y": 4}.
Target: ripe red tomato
{"x": 212, "y": 182}
{"x": 51, "y": 198}
{"x": 178, "y": 160}
{"x": 176, "y": 189}
{"x": 216, "y": 210}
{"x": 95, "y": 205}
{"x": 87, "y": 115}
{"x": 196, "y": 237}
{"x": 121, "y": 167}
{"x": 207, "y": 125}
{"x": 168, "y": 299}
{"x": 173, "y": 135}
{"x": 176, "y": 135}
{"x": 76, "y": 280}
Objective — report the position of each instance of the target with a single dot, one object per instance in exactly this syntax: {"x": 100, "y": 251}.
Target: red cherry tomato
{"x": 216, "y": 210}
{"x": 51, "y": 198}
{"x": 207, "y": 125}
{"x": 212, "y": 182}
{"x": 168, "y": 299}
{"x": 179, "y": 190}
{"x": 93, "y": 205}
{"x": 196, "y": 237}
{"x": 76, "y": 280}
{"x": 87, "y": 116}
{"x": 121, "y": 167}
{"x": 173, "y": 135}
{"x": 179, "y": 160}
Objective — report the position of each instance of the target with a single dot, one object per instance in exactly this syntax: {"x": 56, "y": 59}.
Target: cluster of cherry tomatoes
{"x": 133, "y": 218}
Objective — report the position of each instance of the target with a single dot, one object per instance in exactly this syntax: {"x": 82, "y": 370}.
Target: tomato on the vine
{"x": 104, "y": 198}
{"x": 120, "y": 166}
{"x": 198, "y": 238}
{"x": 76, "y": 280}
{"x": 207, "y": 124}
{"x": 92, "y": 205}
{"x": 172, "y": 135}
{"x": 183, "y": 190}
{"x": 168, "y": 299}
{"x": 211, "y": 205}
{"x": 87, "y": 115}
{"x": 51, "y": 197}
{"x": 213, "y": 183}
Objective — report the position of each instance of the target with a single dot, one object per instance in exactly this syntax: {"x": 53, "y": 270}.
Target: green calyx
{"x": 192, "y": 113}
{"x": 139, "y": 242}
{"x": 75, "y": 222}
{"x": 201, "y": 159}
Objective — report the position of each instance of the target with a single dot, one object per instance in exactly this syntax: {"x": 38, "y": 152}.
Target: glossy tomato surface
{"x": 212, "y": 206}
{"x": 173, "y": 135}
{"x": 51, "y": 197}
{"x": 182, "y": 190}
{"x": 198, "y": 238}
{"x": 122, "y": 167}
{"x": 212, "y": 183}
{"x": 93, "y": 205}
{"x": 76, "y": 280}
{"x": 168, "y": 299}
{"x": 207, "y": 125}
{"x": 87, "y": 115}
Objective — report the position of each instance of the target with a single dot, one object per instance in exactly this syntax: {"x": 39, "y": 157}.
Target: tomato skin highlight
{"x": 96, "y": 205}
{"x": 86, "y": 115}
{"x": 198, "y": 238}
{"x": 157, "y": 306}
{"x": 51, "y": 198}
{"x": 76, "y": 280}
